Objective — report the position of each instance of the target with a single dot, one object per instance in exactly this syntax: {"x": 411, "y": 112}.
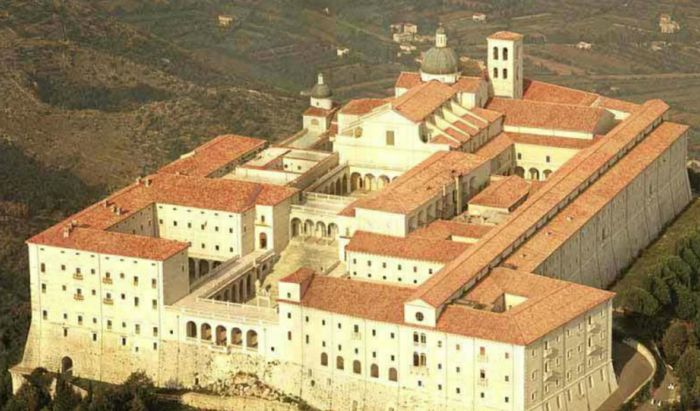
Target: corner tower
{"x": 505, "y": 63}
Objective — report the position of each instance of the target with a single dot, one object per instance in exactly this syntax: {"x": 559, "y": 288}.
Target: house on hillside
{"x": 667, "y": 25}
{"x": 342, "y": 51}
{"x": 582, "y": 45}
{"x": 225, "y": 20}
{"x": 479, "y": 17}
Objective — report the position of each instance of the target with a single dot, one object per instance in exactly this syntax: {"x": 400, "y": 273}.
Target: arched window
{"x": 357, "y": 367}
{"x": 415, "y": 337}
{"x": 416, "y": 359}
{"x": 324, "y": 359}
{"x": 339, "y": 363}
{"x": 505, "y": 53}
{"x": 220, "y": 335}
{"x": 236, "y": 336}
{"x": 393, "y": 375}
{"x": 206, "y": 332}
{"x": 505, "y": 73}
{"x": 495, "y": 72}
{"x": 374, "y": 371}
{"x": 423, "y": 360}
{"x": 251, "y": 338}
{"x": 191, "y": 329}
{"x": 495, "y": 53}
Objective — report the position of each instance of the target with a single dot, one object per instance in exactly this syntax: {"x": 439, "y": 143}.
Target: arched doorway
{"x": 546, "y": 173}
{"x": 355, "y": 181}
{"x": 332, "y": 230}
{"x": 534, "y": 174}
{"x": 370, "y": 183}
{"x": 383, "y": 181}
{"x": 520, "y": 172}
{"x": 296, "y": 227}
{"x": 67, "y": 366}
{"x": 263, "y": 241}
{"x": 320, "y": 229}
{"x": 308, "y": 228}
{"x": 338, "y": 188}
{"x": 206, "y": 332}
{"x": 203, "y": 267}
{"x": 344, "y": 185}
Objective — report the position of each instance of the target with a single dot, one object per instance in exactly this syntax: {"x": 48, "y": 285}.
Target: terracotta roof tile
{"x": 421, "y": 183}
{"x": 553, "y": 93}
{"x": 468, "y": 84}
{"x": 505, "y": 35}
{"x": 411, "y": 248}
{"x": 446, "y": 229}
{"x": 421, "y": 101}
{"x": 551, "y": 141}
{"x": 214, "y": 155}
{"x": 496, "y": 146}
{"x": 363, "y": 105}
{"x": 320, "y": 112}
{"x": 575, "y": 215}
{"x": 504, "y": 193}
{"x": 550, "y": 304}
{"x": 408, "y": 80}
{"x": 446, "y": 283}
{"x": 550, "y": 116}
{"x": 213, "y": 194}
{"x": 112, "y": 243}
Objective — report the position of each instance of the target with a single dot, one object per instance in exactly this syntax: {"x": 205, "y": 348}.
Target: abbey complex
{"x": 445, "y": 248}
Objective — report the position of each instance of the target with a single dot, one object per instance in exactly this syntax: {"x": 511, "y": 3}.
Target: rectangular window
{"x": 390, "y": 138}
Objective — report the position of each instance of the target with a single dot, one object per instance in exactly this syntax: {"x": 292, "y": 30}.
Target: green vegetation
{"x": 660, "y": 296}
{"x": 137, "y": 393}
{"x": 48, "y": 194}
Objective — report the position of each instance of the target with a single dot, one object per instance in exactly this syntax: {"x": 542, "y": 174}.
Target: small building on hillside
{"x": 225, "y": 20}
{"x": 342, "y": 51}
{"x": 582, "y": 45}
{"x": 667, "y": 25}
{"x": 479, "y": 17}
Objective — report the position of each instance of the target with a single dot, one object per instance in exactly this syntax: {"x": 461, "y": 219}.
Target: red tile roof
{"x": 213, "y": 194}
{"x": 109, "y": 242}
{"x": 553, "y": 93}
{"x": 505, "y": 35}
{"x": 372, "y": 301}
{"x": 408, "y": 80}
{"x": 421, "y": 101}
{"x": 421, "y": 183}
{"x": 550, "y": 141}
{"x": 363, "y": 105}
{"x": 446, "y": 229}
{"x": 320, "y": 112}
{"x": 411, "y": 248}
{"x": 533, "y": 114}
{"x": 550, "y": 304}
{"x": 504, "y": 193}
{"x": 468, "y": 84}
{"x": 214, "y": 155}
{"x": 496, "y": 146}
{"x": 448, "y": 282}
{"x": 575, "y": 215}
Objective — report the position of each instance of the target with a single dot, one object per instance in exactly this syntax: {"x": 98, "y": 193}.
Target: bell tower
{"x": 505, "y": 64}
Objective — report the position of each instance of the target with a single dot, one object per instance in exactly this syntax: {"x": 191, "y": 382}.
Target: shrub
{"x": 674, "y": 342}
{"x": 639, "y": 301}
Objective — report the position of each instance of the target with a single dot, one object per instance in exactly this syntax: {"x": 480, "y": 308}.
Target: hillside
{"x": 107, "y": 100}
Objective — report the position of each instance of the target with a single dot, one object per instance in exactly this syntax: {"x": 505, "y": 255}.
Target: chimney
{"x": 105, "y": 203}
{"x": 66, "y": 231}
{"x": 148, "y": 181}
{"x": 138, "y": 180}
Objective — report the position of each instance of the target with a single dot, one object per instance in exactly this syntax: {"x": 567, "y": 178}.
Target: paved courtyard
{"x": 631, "y": 370}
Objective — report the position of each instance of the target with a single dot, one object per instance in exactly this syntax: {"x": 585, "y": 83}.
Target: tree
{"x": 694, "y": 262}
{"x": 659, "y": 289}
{"x": 674, "y": 342}
{"x": 681, "y": 269}
{"x": 684, "y": 302}
{"x": 65, "y": 398}
{"x": 689, "y": 365}
{"x": 33, "y": 395}
{"x": 639, "y": 301}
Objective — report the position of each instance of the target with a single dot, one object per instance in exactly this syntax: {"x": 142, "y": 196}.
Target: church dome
{"x": 321, "y": 89}
{"x": 440, "y": 59}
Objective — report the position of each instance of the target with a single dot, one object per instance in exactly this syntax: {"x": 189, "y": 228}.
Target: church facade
{"x": 473, "y": 224}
